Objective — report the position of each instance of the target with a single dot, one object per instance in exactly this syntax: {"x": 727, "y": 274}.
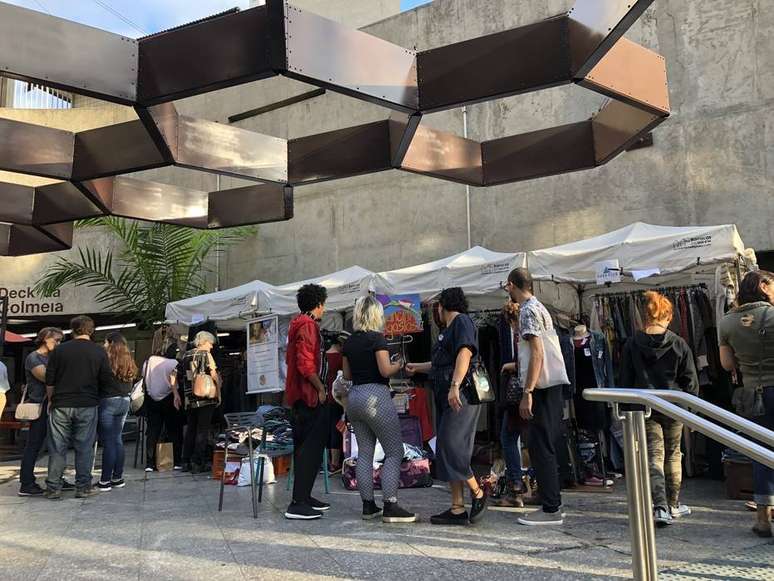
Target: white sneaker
{"x": 148, "y": 469}
{"x": 661, "y": 517}
{"x": 178, "y": 468}
{"x": 680, "y": 510}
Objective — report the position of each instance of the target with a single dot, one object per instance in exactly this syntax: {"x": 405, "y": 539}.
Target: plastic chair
{"x": 325, "y": 472}
{"x": 244, "y": 420}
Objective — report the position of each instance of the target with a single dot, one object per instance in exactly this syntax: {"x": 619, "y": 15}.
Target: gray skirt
{"x": 456, "y": 436}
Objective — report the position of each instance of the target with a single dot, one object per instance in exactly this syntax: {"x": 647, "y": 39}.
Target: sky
{"x": 144, "y": 16}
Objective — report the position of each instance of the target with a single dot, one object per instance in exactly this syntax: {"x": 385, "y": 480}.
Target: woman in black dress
{"x": 457, "y": 419}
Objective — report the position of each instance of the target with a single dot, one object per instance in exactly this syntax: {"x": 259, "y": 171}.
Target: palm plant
{"x": 157, "y": 263}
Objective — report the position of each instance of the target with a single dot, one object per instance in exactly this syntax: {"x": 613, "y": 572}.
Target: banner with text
{"x": 263, "y": 355}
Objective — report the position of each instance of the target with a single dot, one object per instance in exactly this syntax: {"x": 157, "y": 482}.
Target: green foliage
{"x": 158, "y": 263}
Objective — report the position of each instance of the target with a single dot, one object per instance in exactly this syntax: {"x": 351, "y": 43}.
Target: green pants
{"x": 665, "y": 459}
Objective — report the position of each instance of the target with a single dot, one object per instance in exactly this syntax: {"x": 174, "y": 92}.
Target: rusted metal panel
{"x": 115, "y": 149}
{"x": 596, "y": 25}
{"x": 229, "y": 150}
{"x": 205, "y": 56}
{"x": 619, "y": 125}
{"x": 66, "y": 55}
{"x": 633, "y": 74}
{"x": 17, "y": 240}
{"x": 328, "y": 54}
{"x": 62, "y": 201}
{"x": 35, "y": 150}
{"x": 161, "y": 122}
{"x": 157, "y": 202}
{"x": 16, "y": 203}
{"x": 524, "y": 59}
{"x": 250, "y": 205}
{"x": 539, "y": 153}
{"x": 444, "y": 155}
{"x": 338, "y": 154}
{"x": 402, "y": 129}
{"x": 61, "y": 233}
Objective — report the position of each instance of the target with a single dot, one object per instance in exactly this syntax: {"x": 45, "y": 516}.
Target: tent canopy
{"x": 638, "y": 247}
{"x": 478, "y": 271}
{"x": 344, "y": 287}
{"x": 225, "y": 305}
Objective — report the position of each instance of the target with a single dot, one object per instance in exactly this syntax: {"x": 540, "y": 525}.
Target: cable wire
{"x": 105, "y": 6}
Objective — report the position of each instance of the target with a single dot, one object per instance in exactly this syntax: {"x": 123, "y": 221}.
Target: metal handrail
{"x": 656, "y": 400}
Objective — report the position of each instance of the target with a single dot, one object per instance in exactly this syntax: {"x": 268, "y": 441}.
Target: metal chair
{"x": 242, "y": 420}
{"x": 139, "y": 443}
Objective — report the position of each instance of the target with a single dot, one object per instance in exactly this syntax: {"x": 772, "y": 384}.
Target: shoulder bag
{"x": 477, "y": 386}
{"x": 512, "y": 389}
{"x": 27, "y": 411}
{"x": 203, "y": 386}
{"x": 139, "y": 391}
{"x": 748, "y": 401}
{"x": 553, "y": 372}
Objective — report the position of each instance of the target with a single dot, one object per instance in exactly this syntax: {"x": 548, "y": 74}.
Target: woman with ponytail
{"x": 657, "y": 358}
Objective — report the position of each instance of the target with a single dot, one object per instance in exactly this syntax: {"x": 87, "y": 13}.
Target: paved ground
{"x": 167, "y": 526}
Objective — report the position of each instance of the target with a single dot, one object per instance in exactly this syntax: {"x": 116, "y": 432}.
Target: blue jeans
{"x": 112, "y": 414}
{"x": 76, "y": 426}
{"x": 763, "y": 477}
{"x": 511, "y": 443}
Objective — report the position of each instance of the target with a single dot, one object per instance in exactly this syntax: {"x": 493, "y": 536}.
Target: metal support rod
{"x": 252, "y": 470}
{"x": 647, "y": 500}
{"x": 3, "y": 323}
{"x": 467, "y": 187}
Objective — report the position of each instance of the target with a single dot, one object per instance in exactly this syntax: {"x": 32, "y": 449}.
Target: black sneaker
{"x": 371, "y": 510}
{"x": 33, "y": 490}
{"x": 104, "y": 487}
{"x": 197, "y": 469}
{"x": 393, "y": 513}
{"x": 86, "y": 492}
{"x": 449, "y": 518}
{"x": 67, "y": 486}
{"x": 298, "y": 511}
{"x": 120, "y": 483}
{"x": 186, "y": 467}
{"x": 478, "y": 507}
{"x": 53, "y": 494}
{"x": 318, "y": 505}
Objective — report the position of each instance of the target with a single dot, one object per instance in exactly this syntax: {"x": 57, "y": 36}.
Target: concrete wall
{"x": 354, "y": 13}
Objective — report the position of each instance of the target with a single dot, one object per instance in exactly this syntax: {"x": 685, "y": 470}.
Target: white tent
{"x": 478, "y": 271}
{"x": 344, "y": 287}
{"x": 639, "y": 247}
{"x": 222, "y": 306}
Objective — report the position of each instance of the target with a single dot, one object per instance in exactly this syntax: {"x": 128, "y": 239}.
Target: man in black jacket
{"x": 77, "y": 371}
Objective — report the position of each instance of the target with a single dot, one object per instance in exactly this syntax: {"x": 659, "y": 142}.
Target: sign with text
{"x": 263, "y": 355}
{"x": 402, "y": 314}
{"x": 608, "y": 271}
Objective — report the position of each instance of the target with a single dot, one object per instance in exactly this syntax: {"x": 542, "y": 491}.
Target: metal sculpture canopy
{"x": 584, "y": 46}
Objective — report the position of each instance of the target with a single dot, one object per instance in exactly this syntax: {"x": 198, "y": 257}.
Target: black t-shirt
{"x": 460, "y": 333}
{"x": 79, "y": 371}
{"x": 36, "y": 389}
{"x": 360, "y": 351}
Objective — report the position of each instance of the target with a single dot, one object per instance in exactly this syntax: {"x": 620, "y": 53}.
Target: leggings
{"x": 373, "y": 416}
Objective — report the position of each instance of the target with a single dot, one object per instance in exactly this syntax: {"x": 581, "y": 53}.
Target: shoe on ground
{"x": 394, "y": 513}
{"x": 67, "y": 486}
{"x": 662, "y": 517}
{"x": 197, "y": 469}
{"x": 762, "y": 526}
{"x": 371, "y": 510}
{"x": 478, "y": 507}
{"x": 104, "y": 486}
{"x": 150, "y": 469}
{"x": 449, "y": 518}
{"x": 86, "y": 492}
{"x": 186, "y": 467}
{"x": 178, "y": 468}
{"x": 33, "y": 490}
{"x": 541, "y": 518}
{"x": 679, "y": 511}
{"x": 120, "y": 483}
{"x": 318, "y": 505}
{"x": 53, "y": 494}
{"x": 299, "y": 511}
{"x": 751, "y": 505}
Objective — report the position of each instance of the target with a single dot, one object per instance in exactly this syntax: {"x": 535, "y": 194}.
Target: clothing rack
{"x": 662, "y": 289}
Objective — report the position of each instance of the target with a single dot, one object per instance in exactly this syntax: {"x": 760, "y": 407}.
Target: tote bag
{"x": 553, "y": 371}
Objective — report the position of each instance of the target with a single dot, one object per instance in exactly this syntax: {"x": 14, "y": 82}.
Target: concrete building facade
{"x": 711, "y": 162}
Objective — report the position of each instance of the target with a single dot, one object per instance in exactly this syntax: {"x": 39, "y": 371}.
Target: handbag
{"x": 27, "y": 411}
{"x": 478, "y": 387}
{"x": 748, "y": 401}
{"x": 553, "y": 371}
{"x": 512, "y": 388}
{"x": 137, "y": 397}
{"x": 203, "y": 386}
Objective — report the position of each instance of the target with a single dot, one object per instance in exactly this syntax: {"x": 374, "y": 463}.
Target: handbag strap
{"x": 24, "y": 394}
{"x": 762, "y": 335}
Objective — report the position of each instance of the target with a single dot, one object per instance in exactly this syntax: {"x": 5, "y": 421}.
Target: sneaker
{"x": 197, "y": 469}
{"x": 371, "y": 510}
{"x": 86, "y": 492}
{"x": 67, "y": 486}
{"x": 120, "y": 483}
{"x": 149, "y": 469}
{"x": 33, "y": 490}
{"x": 318, "y": 505}
{"x": 53, "y": 494}
{"x": 661, "y": 517}
{"x": 680, "y": 510}
{"x": 103, "y": 487}
{"x": 186, "y": 467}
{"x": 478, "y": 506}
{"x": 449, "y": 518}
{"x": 178, "y": 468}
{"x": 541, "y": 518}
{"x": 298, "y": 511}
{"x": 393, "y": 513}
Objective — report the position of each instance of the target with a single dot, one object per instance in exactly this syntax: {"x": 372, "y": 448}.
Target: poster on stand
{"x": 263, "y": 355}
{"x": 402, "y": 314}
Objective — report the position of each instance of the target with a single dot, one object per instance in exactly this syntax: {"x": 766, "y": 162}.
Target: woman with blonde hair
{"x": 367, "y": 364}
{"x": 656, "y": 358}
{"x": 113, "y": 408}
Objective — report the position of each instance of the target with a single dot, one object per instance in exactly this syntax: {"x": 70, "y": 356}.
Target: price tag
{"x": 587, "y": 352}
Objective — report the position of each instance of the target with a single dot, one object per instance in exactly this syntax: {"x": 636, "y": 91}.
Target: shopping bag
{"x": 553, "y": 371}
{"x": 268, "y": 471}
{"x": 165, "y": 458}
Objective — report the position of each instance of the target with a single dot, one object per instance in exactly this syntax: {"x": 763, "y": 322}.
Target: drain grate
{"x": 752, "y": 564}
